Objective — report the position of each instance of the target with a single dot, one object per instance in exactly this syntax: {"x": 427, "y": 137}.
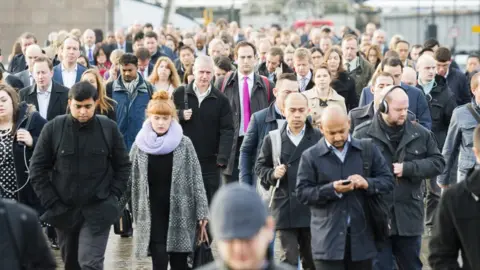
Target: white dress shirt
{"x": 69, "y": 77}
{"x": 250, "y": 76}
{"x": 43, "y": 98}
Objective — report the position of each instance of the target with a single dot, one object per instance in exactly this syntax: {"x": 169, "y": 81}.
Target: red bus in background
{"x": 314, "y": 23}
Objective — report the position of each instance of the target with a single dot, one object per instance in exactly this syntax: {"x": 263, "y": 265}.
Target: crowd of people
{"x": 245, "y": 137}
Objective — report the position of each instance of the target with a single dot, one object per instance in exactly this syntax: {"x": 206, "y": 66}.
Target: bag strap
{"x": 185, "y": 97}
{"x": 267, "y": 85}
{"x": 106, "y": 132}
{"x": 366, "y": 154}
{"x": 473, "y": 112}
{"x": 225, "y": 81}
{"x": 276, "y": 140}
{"x": 59, "y": 124}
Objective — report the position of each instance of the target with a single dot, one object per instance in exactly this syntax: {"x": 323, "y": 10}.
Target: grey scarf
{"x": 131, "y": 86}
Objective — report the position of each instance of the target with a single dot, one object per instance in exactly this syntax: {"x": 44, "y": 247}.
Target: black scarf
{"x": 394, "y": 133}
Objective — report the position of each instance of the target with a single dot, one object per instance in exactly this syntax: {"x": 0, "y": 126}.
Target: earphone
{"x": 383, "y": 106}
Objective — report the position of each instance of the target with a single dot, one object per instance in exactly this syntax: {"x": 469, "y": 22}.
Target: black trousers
{"x": 161, "y": 258}
{"x": 295, "y": 242}
{"x": 211, "y": 177}
{"x": 235, "y": 171}
{"x": 346, "y": 263}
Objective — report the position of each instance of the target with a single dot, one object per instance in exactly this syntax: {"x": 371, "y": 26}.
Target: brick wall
{"x": 44, "y": 16}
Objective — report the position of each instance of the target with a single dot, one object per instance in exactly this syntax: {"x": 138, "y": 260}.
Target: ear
{"x": 477, "y": 154}
{"x": 275, "y": 91}
{"x": 371, "y": 89}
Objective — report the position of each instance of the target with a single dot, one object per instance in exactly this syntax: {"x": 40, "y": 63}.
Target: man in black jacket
{"x": 49, "y": 97}
{"x": 456, "y": 222}
{"x": 411, "y": 153}
{"x": 281, "y": 165}
{"x": 274, "y": 65}
{"x": 442, "y": 102}
{"x": 206, "y": 118}
{"x": 79, "y": 170}
{"x": 23, "y": 244}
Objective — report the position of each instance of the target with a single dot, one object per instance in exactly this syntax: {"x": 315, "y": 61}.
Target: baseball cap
{"x": 237, "y": 212}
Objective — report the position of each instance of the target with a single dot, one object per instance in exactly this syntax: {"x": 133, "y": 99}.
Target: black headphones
{"x": 383, "y": 107}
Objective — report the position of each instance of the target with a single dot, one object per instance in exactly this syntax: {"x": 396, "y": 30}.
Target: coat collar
{"x": 323, "y": 149}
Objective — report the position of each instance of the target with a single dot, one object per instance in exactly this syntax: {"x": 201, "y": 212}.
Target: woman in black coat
{"x": 20, "y": 126}
{"x": 341, "y": 81}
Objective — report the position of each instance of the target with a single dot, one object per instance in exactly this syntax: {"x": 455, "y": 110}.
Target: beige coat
{"x": 314, "y": 104}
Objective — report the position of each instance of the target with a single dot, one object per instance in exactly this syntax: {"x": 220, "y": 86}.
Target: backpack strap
{"x": 473, "y": 112}
{"x": 106, "y": 132}
{"x": 267, "y": 85}
{"x": 225, "y": 81}
{"x": 59, "y": 124}
{"x": 366, "y": 154}
{"x": 149, "y": 89}
{"x": 276, "y": 140}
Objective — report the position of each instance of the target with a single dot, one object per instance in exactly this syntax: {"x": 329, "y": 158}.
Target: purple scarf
{"x": 149, "y": 142}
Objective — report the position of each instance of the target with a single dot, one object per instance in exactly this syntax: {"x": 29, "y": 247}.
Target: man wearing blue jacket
{"x": 417, "y": 101}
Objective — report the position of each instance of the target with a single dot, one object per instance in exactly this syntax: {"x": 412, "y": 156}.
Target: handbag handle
{"x": 203, "y": 236}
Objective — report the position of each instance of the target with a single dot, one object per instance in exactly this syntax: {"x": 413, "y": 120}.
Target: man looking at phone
{"x": 278, "y": 168}
{"x": 412, "y": 154}
{"x": 331, "y": 180}
{"x": 274, "y": 65}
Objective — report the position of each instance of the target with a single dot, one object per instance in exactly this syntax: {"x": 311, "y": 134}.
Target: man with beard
{"x": 132, "y": 93}
{"x": 414, "y": 155}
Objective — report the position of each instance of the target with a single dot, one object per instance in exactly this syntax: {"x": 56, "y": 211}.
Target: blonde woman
{"x": 113, "y": 72}
{"x": 105, "y": 105}
{"x": 164, "y": 75}
{"x": 322, "y": 94}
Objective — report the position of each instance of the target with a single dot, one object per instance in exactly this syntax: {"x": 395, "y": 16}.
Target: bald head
{"x": 397, "y": 100}
{"x": 295, "y": 97}
{"x": 395, "y": 95}
{"x": 89, "y": 37}
{"x": 426, "y": 66}
{"x": 296, "y": 111}
{"x": 409, "y": 76}
{"x": 33, "y": 52}
{"x": 334, "y": 114}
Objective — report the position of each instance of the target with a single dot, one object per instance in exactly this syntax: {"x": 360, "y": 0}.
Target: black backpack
{"x": 376, "y": 208}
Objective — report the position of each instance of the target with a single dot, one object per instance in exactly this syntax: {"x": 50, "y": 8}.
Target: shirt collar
{"x": 241, "y": 76}
{"x": 277, "y": 110}
{"x": 353, "y": 63}
{"x": 308, "y": 76}
{"x": 289, "y": 132}
{"x": 64, "y": 69}
{"x": 349, "y": 139}
{"x": 197, "y": 91}
{"x": 49, "y": 90}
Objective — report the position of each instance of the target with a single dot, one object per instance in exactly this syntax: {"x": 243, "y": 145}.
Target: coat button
{"x": 416, "y": 152}
{"x": 341, "y": 233}
{"x": 63, "y": 151}
{"x": 289, "y": 165}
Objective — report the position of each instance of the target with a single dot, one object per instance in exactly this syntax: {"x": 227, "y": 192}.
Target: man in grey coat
{"x": 243, "y": 230}
{"x": 412, "y": 154}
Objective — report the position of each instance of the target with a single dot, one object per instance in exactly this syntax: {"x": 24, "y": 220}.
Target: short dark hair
{"x": 128, "y": 58}
{"x": 442, "y": 54}
{"x": 149, "y": 25}
{"x": 316, "y": 49}
{"x": 223, "y": 62}
{"x": 402, "y": 41}
{"x": 391, "y": 62}
{"x": 430, "y": 43}
{"x": 138, "y": 36}
{"x": 142, "y": 54}
{"x": 245, "y": 44}
{"x": 425, "y": 50}
{"x": 186, "y": 48}
{"x": 28, "y": 35}
{"x": 275, "y": 51}
{"x": 472, "y": 55}
{"x": 82, "y": 91}
{"x": 151, "y": 34}
{"x": 476, "y": 137}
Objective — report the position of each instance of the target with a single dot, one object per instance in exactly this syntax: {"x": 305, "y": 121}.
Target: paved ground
{"x": 119, "y": 255}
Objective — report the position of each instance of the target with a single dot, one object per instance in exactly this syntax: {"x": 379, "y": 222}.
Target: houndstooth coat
{"x": 188, "y": 199}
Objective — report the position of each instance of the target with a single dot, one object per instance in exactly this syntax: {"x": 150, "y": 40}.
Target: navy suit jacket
{"x": 57, "y": 73}
{"x": 416, "y": 99}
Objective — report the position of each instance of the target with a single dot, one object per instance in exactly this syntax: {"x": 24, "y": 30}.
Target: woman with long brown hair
{"x": 164, "y": 75}
{"x": 343, "y": 83}
{"x": 105, "y": 105}
{"x": 374, "y": 55}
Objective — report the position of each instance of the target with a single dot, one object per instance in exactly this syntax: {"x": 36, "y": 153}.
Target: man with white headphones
{"x": 414, "y": 155}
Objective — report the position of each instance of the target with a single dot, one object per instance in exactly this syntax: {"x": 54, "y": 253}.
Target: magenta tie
{"x": 246, "y": 104}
